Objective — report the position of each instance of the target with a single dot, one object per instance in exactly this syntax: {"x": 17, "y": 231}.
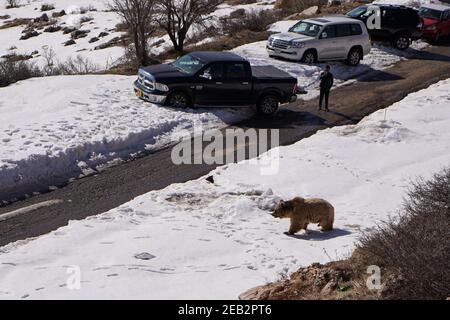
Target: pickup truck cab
{"x": 215, "y": 78}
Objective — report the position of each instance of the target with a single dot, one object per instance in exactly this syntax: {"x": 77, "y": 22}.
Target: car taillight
{"x": 295, "y": 89}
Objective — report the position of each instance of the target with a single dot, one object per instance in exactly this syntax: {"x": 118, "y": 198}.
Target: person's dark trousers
{"x": 324, "y": 94}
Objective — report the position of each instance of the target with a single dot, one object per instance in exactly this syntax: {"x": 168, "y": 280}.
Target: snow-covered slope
{"x": 56, "y": 128}
{"x": 101, "y": 21}
{"x": 207, "y": 241}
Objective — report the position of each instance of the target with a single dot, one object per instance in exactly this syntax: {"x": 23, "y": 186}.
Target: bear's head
{"x": 282, "y": 209}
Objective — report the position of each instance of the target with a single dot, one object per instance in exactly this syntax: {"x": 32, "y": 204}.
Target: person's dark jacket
{"x": 326, "y": 81}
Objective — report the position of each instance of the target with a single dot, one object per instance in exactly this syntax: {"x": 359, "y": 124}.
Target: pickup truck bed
{"x": 269, "y": 72}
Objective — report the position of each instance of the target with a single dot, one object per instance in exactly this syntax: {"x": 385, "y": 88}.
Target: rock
{"x": 108, "y": 44}
{"x": 52, "y": 29}
{"x": 77, "y": 34}
{"x": 256, "y": 293}
{"x": 58, "y": 14}
{"x": 69, "y": 42}
{"x": 329, "y": 288}
{"x": 144, "y": 256}
{"x": 237, "y": 13}
{"x": 94, "y": 39}
{"x": 103, "y": 34}
{"x": 67, "y": 30}
{"x": 43, "y": 18}
{"x": 310, "y": 11}
{"x": 29, "y": 34}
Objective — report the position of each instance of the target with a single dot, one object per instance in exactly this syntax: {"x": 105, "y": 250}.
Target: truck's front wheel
{"x": 268, "y": 104}
{"x": 178, "y": 100}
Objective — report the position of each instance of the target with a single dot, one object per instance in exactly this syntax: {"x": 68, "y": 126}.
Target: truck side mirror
{"x": 324, "y": 35}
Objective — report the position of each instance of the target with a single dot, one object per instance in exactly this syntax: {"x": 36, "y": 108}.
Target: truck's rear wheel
{"x": 401, "y": 41}
{"x": 268, "y": 104}
{"x": 178, "y": 99}
{"x": 354, "y": 57}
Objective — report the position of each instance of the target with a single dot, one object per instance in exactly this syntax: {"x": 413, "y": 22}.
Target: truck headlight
{"x": 297, "y": 44}
{"x": 161, "y": 87}
{"x": 433, "y": 27}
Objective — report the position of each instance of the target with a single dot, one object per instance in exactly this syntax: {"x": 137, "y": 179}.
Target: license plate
{"x": 139, "y": 93}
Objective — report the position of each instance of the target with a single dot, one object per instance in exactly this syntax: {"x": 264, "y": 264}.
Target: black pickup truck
{"x": 215, "y": 78}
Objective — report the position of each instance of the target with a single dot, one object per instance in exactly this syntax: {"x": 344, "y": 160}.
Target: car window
{"x": 356, "y": 29}
{"x": 357, "y": 12}
{"x": 188, "y": 64}
{"x": 330, "y": 31}
{"x": 215, "y": 71}
{"x": 306, "y": 28}
{"x": 446, "y": 15}
{"x": 430, "y": 13}
{"x": 235, "y": 71}
{"x": 343, "y": 30}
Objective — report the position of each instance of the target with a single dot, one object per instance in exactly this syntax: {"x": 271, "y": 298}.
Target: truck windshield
{"x": 357, "y": 12}
{"x": 188, "y": 64}
{"x": 430, "y": 13}
{"x": 306, "y": 28}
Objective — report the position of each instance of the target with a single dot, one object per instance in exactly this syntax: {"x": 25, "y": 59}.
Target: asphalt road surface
{"x": 114, "y": 186}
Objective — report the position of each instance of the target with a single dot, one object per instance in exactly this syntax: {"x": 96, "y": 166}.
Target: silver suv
{"x": 320, "y": 39}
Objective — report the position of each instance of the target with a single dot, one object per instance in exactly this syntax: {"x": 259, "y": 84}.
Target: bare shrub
{"x": 12, "y": 4}
{"x": 416, "y": 245}
{"x": 176, "y": 17}
{"x": 13, "y": 70}
{"x": 77, "y": 65}
{"x": 138, "y": 15}
{"x": 253, "y": 20}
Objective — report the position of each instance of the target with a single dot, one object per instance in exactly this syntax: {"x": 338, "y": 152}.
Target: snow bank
{"x": 199, "y": 240}
{"x": 57, "y": 128}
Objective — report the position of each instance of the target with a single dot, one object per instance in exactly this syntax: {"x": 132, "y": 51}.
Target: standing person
{"x": 326, "y": 82}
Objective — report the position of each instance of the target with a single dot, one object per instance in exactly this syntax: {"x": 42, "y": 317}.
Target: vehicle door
{"x": 208, "y": 87}
{"x": 391, "y": 21}
{"x": 445, "y": 24}
{"x": 327, "y": 43}
{"x": 345, "y": 39}
{"x": 236, "y": 85}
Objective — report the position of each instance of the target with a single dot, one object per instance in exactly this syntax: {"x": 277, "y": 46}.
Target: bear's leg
{"x": 295, "y": 227}
{"x": 326, "y": 225}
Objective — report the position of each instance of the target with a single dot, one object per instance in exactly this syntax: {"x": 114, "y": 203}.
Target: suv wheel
{"x": 354, "y": 57}
{"x": 401, "y": 42}
{"x": 309, "y": 57}
{"x": 268, "y": 104}
{"x": 178, "y": 100}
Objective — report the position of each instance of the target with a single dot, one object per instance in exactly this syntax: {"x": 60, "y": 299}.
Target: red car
{"x": 436, "y": 21}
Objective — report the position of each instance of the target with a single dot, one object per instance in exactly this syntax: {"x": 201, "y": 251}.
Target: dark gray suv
{"x": 398, "y": 24}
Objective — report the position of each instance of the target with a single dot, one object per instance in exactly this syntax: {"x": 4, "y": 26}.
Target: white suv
{"x": 324, "y": 38}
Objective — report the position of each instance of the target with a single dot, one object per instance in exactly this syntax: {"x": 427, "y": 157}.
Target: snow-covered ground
{"x": 57, "y": 128}
{"x": 205, "y": 241}
{"x": 102, "y": 21}
{"x": 380, "y": 57}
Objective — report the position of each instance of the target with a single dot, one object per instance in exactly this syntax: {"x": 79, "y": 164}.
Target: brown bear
{"x": 304, "y": 211}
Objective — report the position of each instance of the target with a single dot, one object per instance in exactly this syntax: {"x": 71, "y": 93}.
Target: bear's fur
{"x": 304, "y": 211}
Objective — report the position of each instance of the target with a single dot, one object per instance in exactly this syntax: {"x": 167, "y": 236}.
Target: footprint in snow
{"x": 144, "y": 256}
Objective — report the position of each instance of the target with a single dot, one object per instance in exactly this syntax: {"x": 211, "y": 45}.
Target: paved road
{"x": 117, "y": 185}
